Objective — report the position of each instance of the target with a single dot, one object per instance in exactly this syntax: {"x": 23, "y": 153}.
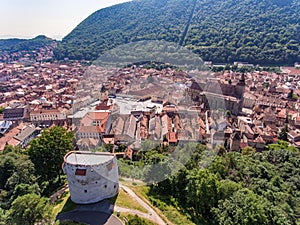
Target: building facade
{"x": 16, "y": 112}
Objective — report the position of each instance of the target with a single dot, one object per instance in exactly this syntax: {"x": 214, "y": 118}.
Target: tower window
{"x": 80, "y": 172}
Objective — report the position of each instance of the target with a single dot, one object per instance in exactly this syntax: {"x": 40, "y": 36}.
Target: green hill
{"x": 15, "y": 44}
{"x": 258, "y": 31}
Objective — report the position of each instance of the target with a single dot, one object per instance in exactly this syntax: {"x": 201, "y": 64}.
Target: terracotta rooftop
{"x": 91, "y": 129}
{"x": 9, "y": 136}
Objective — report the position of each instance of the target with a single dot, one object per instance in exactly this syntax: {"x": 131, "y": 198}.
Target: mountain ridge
{"x": 261, "y": 32}
{"x": 20, "y": 44}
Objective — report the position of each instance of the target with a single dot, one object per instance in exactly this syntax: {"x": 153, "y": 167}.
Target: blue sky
{"x": 53, "y": 18}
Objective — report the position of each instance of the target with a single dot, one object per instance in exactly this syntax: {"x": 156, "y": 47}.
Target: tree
{"x": 221, "y": 150}
{"x": 227, "y": 67}
{"x": 47, "y": 152}
{"x": 23, "y": 173}
{"x": 262, "y": 188}
{"x": 228, "y": 113}
{"x": 294, "y": 97}
{"x": 160, "y": 167}
{"x": 228, "y": 187}
{"x": 103, "y": 89}
{"x": 247, "y": 208}
{"x": 202, "y": 191}
{"x": 290, "y": 94}
{"x": 3, "y": 217}
{"x": 24, "y": 189}
{"x": 9, "y": 148}
{"x": 218, "y": 166}
{"x": 2, "y": 110}
{"x": 248, "y": 150}
{"x": 283, "y": 135}
{"x": 136, "y": 220}
{"x": 30, "y": 209}
{"x": 109, "y": 147}
{"x": 16, "y": 172}
{"x": 282, "y": 145}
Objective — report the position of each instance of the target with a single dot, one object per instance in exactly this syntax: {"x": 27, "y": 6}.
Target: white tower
{"x": 92, "y": 177}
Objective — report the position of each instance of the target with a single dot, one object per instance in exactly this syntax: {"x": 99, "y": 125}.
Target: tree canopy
{"x": 244, "y": 207}
{"x": 30, "y": 209}
{"x": 20, "y": 199}
{"x": 237, "y": 188}
{"x": 47, "y": 152}
{"x": 15, "y": 44}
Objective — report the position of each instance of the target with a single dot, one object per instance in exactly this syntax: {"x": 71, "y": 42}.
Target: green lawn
{"x": 125, "y": 200}
{"x": 166, "y": 211}
{"x": 64, "y": 204}
{"x": 128, "y": 217}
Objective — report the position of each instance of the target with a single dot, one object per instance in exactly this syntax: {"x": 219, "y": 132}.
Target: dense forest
{"x": 16, "y": 45}
{"x": 28, "y": 178}
{"x": 265, "y": 32}
{"x": 234, "y": 188}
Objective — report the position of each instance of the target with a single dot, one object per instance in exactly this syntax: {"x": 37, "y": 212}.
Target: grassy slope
{"x": 125, "y": 200}
{"x": 167, "y": 212}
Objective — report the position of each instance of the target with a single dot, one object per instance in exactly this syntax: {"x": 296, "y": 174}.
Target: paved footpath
{"x": 151, "y": 215}
{"x": 55, "y": 196}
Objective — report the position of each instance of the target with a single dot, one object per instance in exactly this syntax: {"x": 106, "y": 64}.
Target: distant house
{"x": 258, "y": 143}
{"x": 94, "y": 125}
{"x": 217, "y": 138}
{"x": 47, "y": 115}
{"x": 294, "y": 136}
{"x": 296, "y": 122}
{"x": 208, "y": 63}
{"x": 243, "y": 64}
{"x": 4, "y": 126}
{"x": 89, "y": 132}
{"x": 235, "y": 141}
{"x": 26, "y": 135}
{"x": 16, "y": 112}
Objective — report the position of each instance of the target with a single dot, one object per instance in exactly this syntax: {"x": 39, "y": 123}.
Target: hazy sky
{"x": 53, "y": 18}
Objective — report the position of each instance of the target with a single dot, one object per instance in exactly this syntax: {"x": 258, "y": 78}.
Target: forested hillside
{"x": 258, "y": 31}
{"x": 16, "y": 45}
{"x": 234, "y": 188}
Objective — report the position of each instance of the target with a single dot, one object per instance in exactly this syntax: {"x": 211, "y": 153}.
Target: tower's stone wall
{"x": 92, "y": 177}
